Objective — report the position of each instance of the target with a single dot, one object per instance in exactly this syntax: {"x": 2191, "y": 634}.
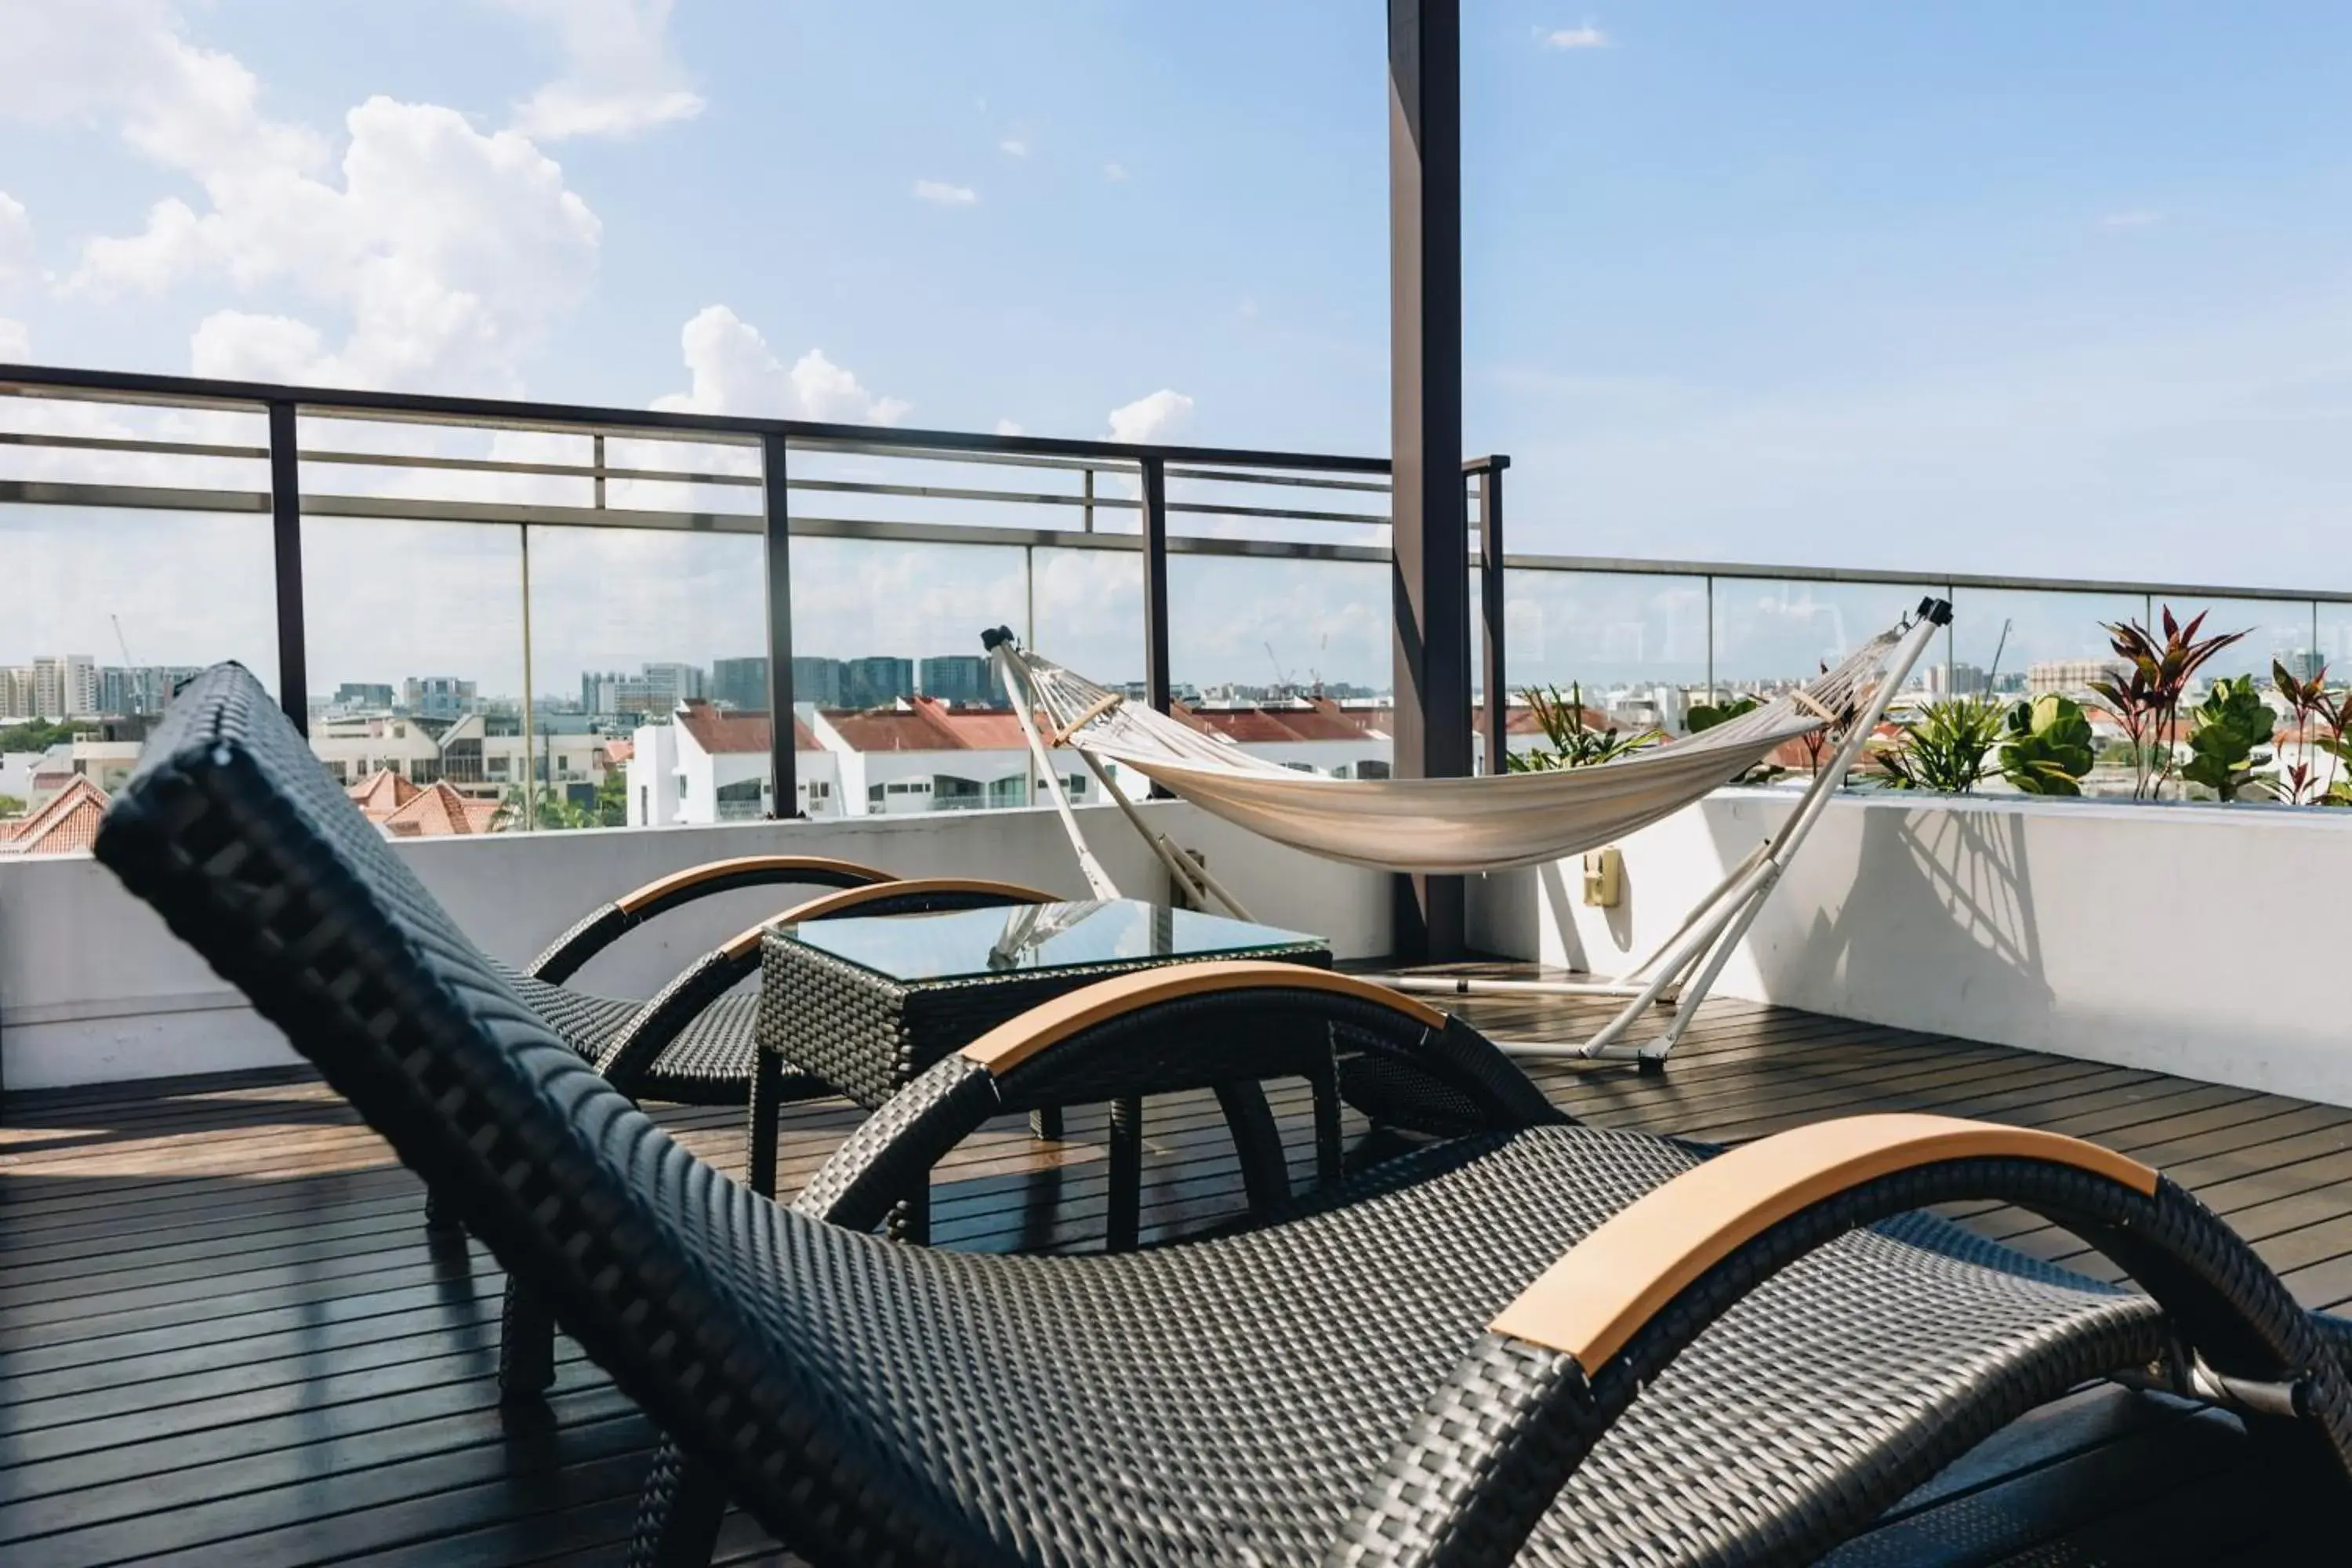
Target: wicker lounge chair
{"x": 1555, "y": 1340}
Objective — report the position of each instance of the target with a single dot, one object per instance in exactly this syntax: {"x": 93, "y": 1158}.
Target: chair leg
{"x": 760, "y": 1125}
{"x": 526, "y": 1343}
{"x": 1258, "y": 1143}
{"x": 1124, "y": 1226}
{"x": 910, "y": 1217}
{"x": 678, "y": 1513}
{"x": 1045, "y": 1122}
{"x": 437, "y": 1213}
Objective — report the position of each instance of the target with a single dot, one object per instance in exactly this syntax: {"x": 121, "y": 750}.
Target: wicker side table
{"x": 863, "y": 1011}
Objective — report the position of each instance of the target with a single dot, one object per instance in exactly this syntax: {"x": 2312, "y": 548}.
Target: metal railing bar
{"x": 139, "y": 498}
{"x": 1377, "y": 487}
{"x": 505, "y": 466}
{"x": 1627, "y": 566}
{"x": 1212, "y": 509}
{"x": 92, "y": 386}
{"x": 129, "y": 444}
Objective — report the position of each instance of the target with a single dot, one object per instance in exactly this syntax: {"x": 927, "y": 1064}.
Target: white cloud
{"x": 448, "y": 251}
{"x": 1009, "y": 428}
{"x": 1013, "y": 147}
{"x": 621, "y": 72}
{"x": 16, "y": 343}
{"x": 1162, "y": 416}
{"x": 2138, "y": 217}
{"x": 15, "y": 241}
{"x": 735, "y": 372}
{"x": 1587, "y": 37}
{"x": 235, "y": 345}
{"x": 1114, "y": 172}
{"x": 945, "y": 194}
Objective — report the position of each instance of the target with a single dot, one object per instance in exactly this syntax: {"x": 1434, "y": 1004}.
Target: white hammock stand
{"x": 1440, "y": 826}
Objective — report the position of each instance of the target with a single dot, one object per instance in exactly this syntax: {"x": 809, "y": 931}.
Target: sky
{"x": 2057, "y": 290}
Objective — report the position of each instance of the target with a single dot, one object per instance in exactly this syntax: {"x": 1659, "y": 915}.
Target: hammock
{"x": 1494, "y": 823}
{"x": 1437, "y": 826}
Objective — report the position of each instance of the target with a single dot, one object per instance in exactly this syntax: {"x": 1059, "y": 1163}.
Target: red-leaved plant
{"x": 2308, "y": 700}
{"x": 2145, "y": 698}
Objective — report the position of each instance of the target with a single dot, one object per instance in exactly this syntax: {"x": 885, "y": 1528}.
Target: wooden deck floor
{"x": 225, "y": 1338}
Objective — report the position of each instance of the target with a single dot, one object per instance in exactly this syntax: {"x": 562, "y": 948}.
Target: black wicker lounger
{"x": 1439, "y": 1363}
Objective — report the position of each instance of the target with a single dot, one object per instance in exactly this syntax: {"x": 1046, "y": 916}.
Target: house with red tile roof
{"x": 439, "y": 811}
{"x": 710, "y": 765}
{"x": 66, "y": 821}
{"x": 382, "y": 792}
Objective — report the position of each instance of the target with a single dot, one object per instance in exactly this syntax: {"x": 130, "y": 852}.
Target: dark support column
{"x": 286, "y": 530}
{"x": 1430, "y": 530}
{"x": 1496, "y": 720}
{"x": 1155, "y": 581}
{"x": 775, "y": 535}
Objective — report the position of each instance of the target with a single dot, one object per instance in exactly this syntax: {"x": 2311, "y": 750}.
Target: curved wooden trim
{"x": 1594, "y": 1300}
{"x": 664, "y": 888}
{"x": 849, "y": 901}
{"x": 1016, "y": 1040}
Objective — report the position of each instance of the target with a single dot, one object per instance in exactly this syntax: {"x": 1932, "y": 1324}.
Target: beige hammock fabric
{"x": 1432, "y": 826}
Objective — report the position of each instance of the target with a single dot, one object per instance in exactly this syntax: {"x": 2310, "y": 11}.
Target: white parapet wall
{"x": 2198, "y": 940}
{"x": 94, "y": 989}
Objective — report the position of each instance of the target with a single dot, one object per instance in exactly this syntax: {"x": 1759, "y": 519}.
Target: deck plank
{"x": 226, "y": 1337}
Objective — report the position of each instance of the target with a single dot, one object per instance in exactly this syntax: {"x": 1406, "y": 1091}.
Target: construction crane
{"x": 119, "y": 639}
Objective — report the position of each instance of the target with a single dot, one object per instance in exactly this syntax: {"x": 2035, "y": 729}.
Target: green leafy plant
{"x": 2146, "y": 697}
{"x": 2231, "y": 735}
{"x": 11, "y": 807}
{"x": 2318, "y": 727}
{"x": 2046, "y": 746}
{"x": 1574, "y": 743}
{"x": 1942, "y": 746}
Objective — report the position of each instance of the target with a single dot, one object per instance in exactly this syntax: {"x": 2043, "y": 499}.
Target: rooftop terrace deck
{"x": 224, "y": 1336}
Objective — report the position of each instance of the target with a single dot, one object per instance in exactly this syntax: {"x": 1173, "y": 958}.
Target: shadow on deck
{"x": 226, "y": 1337}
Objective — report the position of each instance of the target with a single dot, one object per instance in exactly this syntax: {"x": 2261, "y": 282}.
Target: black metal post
{"x": 1155, "y": 582}
{"x": 286, "y": 532}
{"x": 1497, "y": 714}
{"x": 776, "y": 542}
{"x": 1430, "y": 530}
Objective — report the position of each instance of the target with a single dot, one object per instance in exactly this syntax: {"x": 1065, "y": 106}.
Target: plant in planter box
{"x": 1707, "y": 715}
{"x": 1576, "y": 741}
{"x": 1943, "y": 746}
{"x": 2146, "y": 697}
{"x": 2232, "y": 737}
{"x": 2318, "y": 727}
{"x": 2047, "y": 747}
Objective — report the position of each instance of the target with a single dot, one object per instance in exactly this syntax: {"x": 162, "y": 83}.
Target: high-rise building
{"x": 740, "y": 684}
{"x": 438, "y": 696}
{"x": 128, "y": 690}
{"x": 656, "y": 692}
{"x": 960, "y": 678}
{"x": 1956, "y": 681}
{"x": 876, "y": 681}
{"x": 16, "y": 692}
{"x": 676, "y": 683}
{"x": 2068, "y": 677}
{"x": 65, "y": 686}
{"x": 363, "y": 696}
{"x": 818, "y": 681}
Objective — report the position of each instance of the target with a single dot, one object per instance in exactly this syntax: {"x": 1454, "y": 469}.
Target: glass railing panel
{"x": 1290, "y": 657}
{"x": 890, "y": 678}
{"x": 628, "y": 627}
{"x": 414, "y": 645}
{"x": 1633, "y": 646}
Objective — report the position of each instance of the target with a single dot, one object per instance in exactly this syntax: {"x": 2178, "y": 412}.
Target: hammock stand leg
{"x": 1098, "y": 881}
{"x": 1707, "y": 938}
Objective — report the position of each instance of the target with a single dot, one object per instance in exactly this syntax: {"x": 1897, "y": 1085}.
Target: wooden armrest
{"x": 1598, "y": 1296}
{"x": 1016, "y": 1040}
{"x": 849, "y": 901}
{"x": 745, "y": 870}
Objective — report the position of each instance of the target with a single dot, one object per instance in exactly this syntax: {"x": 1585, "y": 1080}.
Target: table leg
{"x": 760, "y": 1122}
{"x": 1045, "y": 1121}
{"x": 1257, "y": 1145}
{"x": 1126, "y": 1218}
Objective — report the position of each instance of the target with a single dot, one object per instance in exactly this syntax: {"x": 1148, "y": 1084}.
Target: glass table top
{"x": 1033, "y": 937}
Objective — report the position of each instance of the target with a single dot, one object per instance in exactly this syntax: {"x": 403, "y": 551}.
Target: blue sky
{"x": 1995, "y": 287}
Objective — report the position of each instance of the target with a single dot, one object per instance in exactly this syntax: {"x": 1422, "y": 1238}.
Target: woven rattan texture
{"x": 1226, "y": 1402}
{"x": 710, "y": 1062}
{"x": 867, "y": 1036}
